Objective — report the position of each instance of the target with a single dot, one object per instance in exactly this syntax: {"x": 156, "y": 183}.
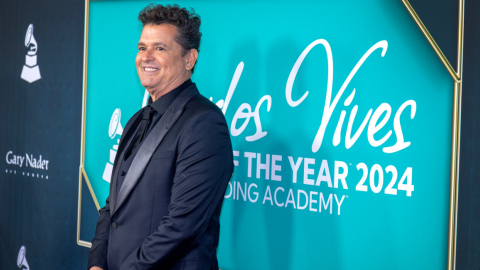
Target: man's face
{"x": 160, "y": 64}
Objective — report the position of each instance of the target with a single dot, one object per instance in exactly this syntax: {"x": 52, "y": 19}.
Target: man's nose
{"x": 147, "y": 55}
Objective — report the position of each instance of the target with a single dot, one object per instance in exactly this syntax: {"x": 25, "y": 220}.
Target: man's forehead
{"x": 162, "y": 33}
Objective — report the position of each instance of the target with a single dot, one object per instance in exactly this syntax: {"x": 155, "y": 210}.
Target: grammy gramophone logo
{"x": 115, "y": 128}
{"x": 31, "y": 71}
{"x": 22, "y": 260}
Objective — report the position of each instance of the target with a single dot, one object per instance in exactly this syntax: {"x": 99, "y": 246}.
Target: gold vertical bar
{"x": 455, "y": 160}
{"x": 461, "y": 10}
{"x": 79, "y": 241}
{"x": 84, "y": 94}
{"x": 79, "y": 210}
{"x": 452, "y": 218}
{"x": 84, "y": 112}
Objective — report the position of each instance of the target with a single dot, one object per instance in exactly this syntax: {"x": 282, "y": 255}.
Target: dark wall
{"x": 38, "y": 206}
{"x": 468, "y": 228}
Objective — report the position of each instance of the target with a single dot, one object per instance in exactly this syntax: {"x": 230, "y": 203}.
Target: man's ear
{"x": 191, "y": 59}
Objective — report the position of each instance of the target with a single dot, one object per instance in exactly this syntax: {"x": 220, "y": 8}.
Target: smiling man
{"x": 173, "y": 163}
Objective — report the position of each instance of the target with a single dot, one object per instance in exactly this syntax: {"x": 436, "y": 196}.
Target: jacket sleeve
{"x": 98, "y": 253}
{"x": 203, "y": 168}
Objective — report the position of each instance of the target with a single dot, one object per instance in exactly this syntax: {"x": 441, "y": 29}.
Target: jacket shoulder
{"x": 199, "y": 104}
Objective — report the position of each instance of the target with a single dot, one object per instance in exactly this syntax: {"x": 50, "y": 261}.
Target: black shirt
{"x": 161, "y": 105}
{"x": 158, "y": 109}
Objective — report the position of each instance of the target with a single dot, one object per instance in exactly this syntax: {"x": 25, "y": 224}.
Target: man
{"x": 173, "y": 163}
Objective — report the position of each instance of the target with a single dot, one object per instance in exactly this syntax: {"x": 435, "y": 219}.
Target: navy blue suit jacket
{"x": 167, "y": 211}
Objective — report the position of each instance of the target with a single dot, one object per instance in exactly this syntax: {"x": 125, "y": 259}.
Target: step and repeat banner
{"x": 340, "y": 116}
{"x": 41, "y": 60}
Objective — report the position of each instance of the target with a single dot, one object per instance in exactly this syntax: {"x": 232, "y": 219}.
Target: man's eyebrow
{"x": 154, "y": 44}
{"x": 160, "y": 43}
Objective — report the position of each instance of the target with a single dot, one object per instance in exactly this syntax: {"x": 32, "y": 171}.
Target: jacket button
{"x": 114, "y": 225}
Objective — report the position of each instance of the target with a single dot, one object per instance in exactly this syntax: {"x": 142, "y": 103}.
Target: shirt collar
{"x": 162, "y": 103}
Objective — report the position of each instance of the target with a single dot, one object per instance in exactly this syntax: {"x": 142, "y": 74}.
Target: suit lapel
{"x": 149, "y": 145}
{"x": 124, "y": 143}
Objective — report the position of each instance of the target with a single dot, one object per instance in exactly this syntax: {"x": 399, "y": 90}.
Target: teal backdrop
{"x": 295, "y": 202}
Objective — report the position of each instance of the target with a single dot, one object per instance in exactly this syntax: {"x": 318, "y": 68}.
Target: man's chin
{"x": 147, "y": 84}
{"x": 149, "y": 89}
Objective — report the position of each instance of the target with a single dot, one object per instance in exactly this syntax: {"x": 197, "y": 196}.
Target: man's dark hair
{"x": 187, "y": 23}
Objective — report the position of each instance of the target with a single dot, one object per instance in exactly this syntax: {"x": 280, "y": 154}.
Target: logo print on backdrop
{"x": 31, "y": 71}
{"x": 30, "y": 161}
{"x": 21, "y": 259}
{"x": 114, "y": 129}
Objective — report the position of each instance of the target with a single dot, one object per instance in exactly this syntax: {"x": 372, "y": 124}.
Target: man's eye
{"x": 141, "y": 48}
{"x": 160, "y": 48}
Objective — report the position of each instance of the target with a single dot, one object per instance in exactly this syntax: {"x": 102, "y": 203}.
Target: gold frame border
{"x": 82, "y": 172}
{"x": 455, "y": 154}
{"x": 457, "y": 105}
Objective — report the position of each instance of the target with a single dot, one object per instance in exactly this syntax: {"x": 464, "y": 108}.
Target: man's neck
{"x": 157, "y": 94}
